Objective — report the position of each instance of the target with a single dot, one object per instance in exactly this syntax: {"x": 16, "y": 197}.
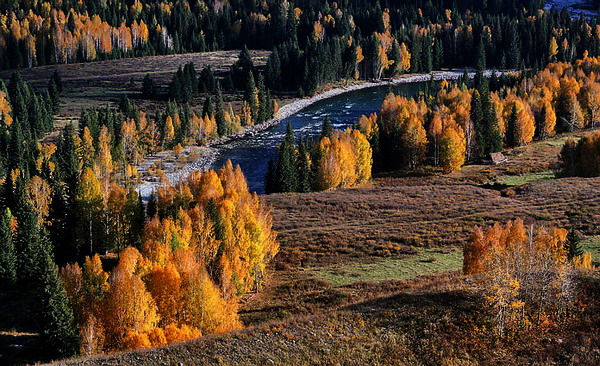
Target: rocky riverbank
{"x": 193, "y": 158}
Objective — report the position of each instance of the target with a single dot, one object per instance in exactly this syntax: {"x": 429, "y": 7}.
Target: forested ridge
{"x": 319, "y": 42}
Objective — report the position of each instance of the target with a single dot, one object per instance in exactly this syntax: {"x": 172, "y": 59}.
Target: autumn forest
{"x": 299, "y": 182}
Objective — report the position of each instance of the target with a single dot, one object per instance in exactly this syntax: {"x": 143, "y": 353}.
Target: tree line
{"x": 337, "y": 159}
{"x": 258, "y": 105}
{"x": 580, "y": 158}
{"x": 528, "y": 273}
{"x": 460, "y": 125}
{"x": 320, "y": 42}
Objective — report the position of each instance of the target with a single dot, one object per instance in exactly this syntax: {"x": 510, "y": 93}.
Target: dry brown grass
{"x": 392, "y": 217}
{"x": 397, "y": 217}
{"x": 432, "y": 323}
{"x": 95, "y": 84}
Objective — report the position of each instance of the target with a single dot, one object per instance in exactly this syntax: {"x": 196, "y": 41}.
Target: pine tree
{"x": 176, "y": 88}
{"x": 29, "y": 244}
{"x": 511, "y": 128}
{"x": 54, "y": 96}
{"x": 573, "y": 245}
{"x": 8, "y": 255}
{"x": 207, "y": 107}
{"x": 151, "y": 207}
{"x": 57, "y": 319}
{"x": 242, "y": 67}
{"x": 286, "y": 165}
{"x": 271, "y": 177}
{"x": 327, "y": 129}
{"x": 305, "y": 181}
{"x": 222, "y": 127}
{"x": 493, "y": 136}
{"x": 187, "y": 83}
{"x": 68, "y": 162}
{"x": 16, "y": 153}
{"x": 251, "y": 96}
{"x": 480, "y": 62}
{"x": 477, "y": 118}
{"x": 206, "y": 81}
{"x": 135, "y": 216}
{"x": 273, "y": 70}
{"x": 264, "y": 100}
{"x": 148, "y": 88}
{"x": 514, "y": 46}
{"x": 416, "y": 53}
{"x": 427, "y": 55}
{"x": 464, "y": 79}
{"x": 438, "y": 55}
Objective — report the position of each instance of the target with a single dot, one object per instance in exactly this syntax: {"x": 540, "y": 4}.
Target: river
{"x": 253, "y": 153}
{"x": 577, "y": 8}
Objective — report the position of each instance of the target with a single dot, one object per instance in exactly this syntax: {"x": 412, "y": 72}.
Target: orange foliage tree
{"x": 345, "y": 160}
{"x": 526, "y": 274}
{"x": 210, "y": 244}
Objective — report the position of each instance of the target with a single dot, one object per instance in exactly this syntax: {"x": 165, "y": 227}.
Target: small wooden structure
{"x": 495, "y": 158}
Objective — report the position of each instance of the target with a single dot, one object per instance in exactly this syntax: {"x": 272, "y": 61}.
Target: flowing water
{"x": 253, "y": 153}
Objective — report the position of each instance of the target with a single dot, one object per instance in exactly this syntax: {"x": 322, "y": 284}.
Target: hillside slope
{"x": 434, "y": 323}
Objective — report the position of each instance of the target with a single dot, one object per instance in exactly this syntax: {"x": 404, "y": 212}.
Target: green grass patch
{"x": 560, "y": 141}
{"x": 426, "y": 262}
{"x": 517, "y": 180}
{"x": 592, "y": 245}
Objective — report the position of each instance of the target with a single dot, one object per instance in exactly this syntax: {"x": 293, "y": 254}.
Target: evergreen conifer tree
{"x": 175, "y": 88}
{"x": 148, "y": 87}
{"x": 511, "y": 128}
{"x": 427, "y": 52}
{"x": 57, "y": 81}
{"x": 493, "y": 137}
{"x": 16, "y": 153}
{"x": 263, "y": 101}
{"x": 271, "y": 177}
{"x": 327, "y": 129}
{"x": 480, "y": 62}
{"x": 251, "y": 96}
{"x": 54, "y": 96}
{"x": 242, "y": 67}
{"x": 206, "y": 80}
{"x": 56, "y": 317}
{"x": 573, "y": 245}
{"x": 273, "y": 70}
{"x": 286, "y": 164}
{"x": 222, "y": 127}
{"x": 29, "y": 244}
{"x": 207, "y": 107}
{"x": 305, "y": 180}
{"x": 477, "y": 118}
{"x": 151, "y": 207}
{"x": 8, "y": 254}
{"x": 415, "y": 53}
{"x": 513, "y": 58}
